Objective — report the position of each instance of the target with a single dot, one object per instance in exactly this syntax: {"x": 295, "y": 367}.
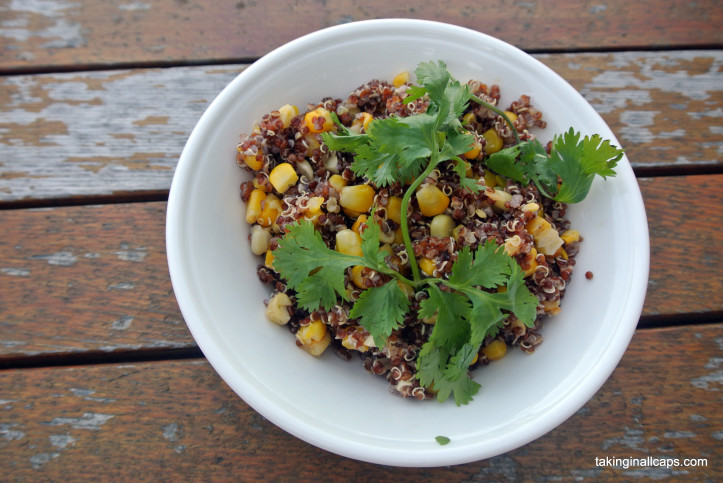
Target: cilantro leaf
{"x": 567, "y": 173}
{"x": 577, "y": 162}
{"x": 451, "y": 310}
{"x": 312, "y": 269}
{"x": 381, "y": 310}
{"x": 447, "y": 375}
{"x": 489, "y": 268}
{"x": 442, "y": 440}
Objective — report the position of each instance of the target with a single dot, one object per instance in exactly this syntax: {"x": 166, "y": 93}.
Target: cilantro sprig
{"x": 484, "y": 286}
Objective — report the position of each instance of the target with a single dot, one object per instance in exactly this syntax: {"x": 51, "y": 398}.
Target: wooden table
{"x": 99, "y": 374}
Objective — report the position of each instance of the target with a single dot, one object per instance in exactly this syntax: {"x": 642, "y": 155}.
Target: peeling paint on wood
{"x": 58, "y": 139}
{"x": 180, "y": 414}
{"x": 55, "y": 33}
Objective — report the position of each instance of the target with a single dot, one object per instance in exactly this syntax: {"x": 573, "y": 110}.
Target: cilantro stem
{"x": 433, "y": 161}
{"x": 499, "y": 111}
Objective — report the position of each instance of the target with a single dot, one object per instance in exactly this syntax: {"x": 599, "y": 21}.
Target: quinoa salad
{"x": 458, "y": 212}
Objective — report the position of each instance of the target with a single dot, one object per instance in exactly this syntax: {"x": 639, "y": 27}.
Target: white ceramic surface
{"x": 334, "y": 404}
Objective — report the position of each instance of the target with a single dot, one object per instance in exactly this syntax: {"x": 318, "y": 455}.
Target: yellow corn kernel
{"x": 493, "y": 141}
{"x": 283, "y": 177}
{"x": 349, "y": 242}
{"x": 352, "y": 343}
{"x": 337, "y": 181}
{"x": 357, "y": 225}
{"x": 495, "y": 350}
{"x": 254, "y": 205}
{"x": 287, "y": 112}
{"x": 401, "y": 79}
{"x": 398, "y": 237}
{"x": 530, "y": 208}
{"x": 500, "y": 198}
{"x": 311, "y": 143}
{"x": 361, "y": 122}
{"x": 311, "y": 119}
{"x": 547, "y": 240}
{"x": 532, "y": 260}
{"x": 271, "y": 208}
{"x": 253, "y": 162}
{"x": 441, "y": 226}
{"x": 356, "y": 276}
{"x": 357, "y": 198}
{"x": 511, "y": 115}
{"x": 501, "y": 288}
{"x": 314, "y": 204}
{"x": 260, "y": 238}
{"x": 430, "y": 320}
{"x": 469, "y": 118}
{"x": 314, "y": 338}
{"x": 428, "y": 266}
{"x": 432, "y": 201}
{"x": 269, "y": 259}
{"x": 394, "y": 209}
{"x": 570, "y": 236}
{"x": 476, "y": 358}
{"x": 490, "y": 179}
{"x": 473, "y": 153}
{"x": 551, "y": 307}
{"x": 512, "y": 245}
{"x": 277, "y": 311}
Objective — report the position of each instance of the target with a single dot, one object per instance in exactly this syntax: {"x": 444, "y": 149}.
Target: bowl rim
{"x": 176, "y": 246}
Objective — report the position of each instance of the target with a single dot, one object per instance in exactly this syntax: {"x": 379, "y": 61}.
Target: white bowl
{"x": 336, "y": 405}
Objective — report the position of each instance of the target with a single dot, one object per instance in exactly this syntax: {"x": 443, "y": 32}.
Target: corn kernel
{"x": 353, "y": 343}
{"x": 476, "y": 358}
{"x": 511, "y": 115}
{"x": 469, "y": 118}
{"x": 314, "y": 338}
{"x": 441, "y": 226}
{"x": 312, "y": 143}
{"x": 432, "y": 201}
{"x": 277, "y": 311}
{"x": 314, "y": 204}
{"x": 473, "y": 153}
{"x": 357, "y": 198}
{"x": 356, "y": 276}
{"x": 269, "y": 259}
{"x": 551, "y": 307}
{"x": 361, "y": 122}
{"x": 260, "y": 238}
{"x": 401, "y": 79}
{"x": 287, "y": 112}
{"x": 283, "y": 177}
{"x": 337, "y": 181}
{"x": 547, "y": 240}
{"x": 394, "y": 209}
{"x": 253, "y": 161}
{"x": 570, "y": 236}
{"x": 493, "y": 141}
{"x": 500, "y": 199}
{"x": 319, "y": 120}
{"x": 271, "y": 208}
{"x": 428, "y": 266}
{"x": 359, "y": 223}
{"x": 254, "y": 207}
{"x": 490, "y": 179}
{"x": 349, "y": 242}
{"x": 512, "y": 245}
{"x": 532, "y": 260}
{"x": 495, "y": 350}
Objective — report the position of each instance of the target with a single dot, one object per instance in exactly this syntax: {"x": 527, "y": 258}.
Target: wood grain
{"x": 126, "y": 422}
{"x": 53, "y": 34}
{"x": 116, "y": 132}
{"x": 95, "y": 278}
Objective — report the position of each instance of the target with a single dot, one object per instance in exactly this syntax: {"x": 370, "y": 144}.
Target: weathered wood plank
{"x": 95, "y": 278}
{"x": 55, "y": 33}
{"x": 90, "y": 278}
{"x": 104, "y": 133}
{"x": 120, "y": 422}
